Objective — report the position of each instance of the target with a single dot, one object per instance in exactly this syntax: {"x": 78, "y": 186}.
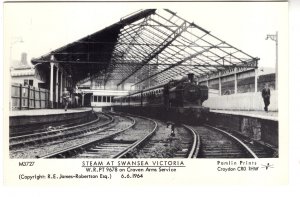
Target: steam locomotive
{"x": 178, "y": 101}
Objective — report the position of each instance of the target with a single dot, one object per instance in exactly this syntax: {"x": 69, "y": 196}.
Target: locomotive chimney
{"x": 191, "y": 77}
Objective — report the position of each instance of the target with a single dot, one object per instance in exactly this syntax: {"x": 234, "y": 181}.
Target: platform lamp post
{"x": 274, "y": 37}
{"x": 20, "y": 40}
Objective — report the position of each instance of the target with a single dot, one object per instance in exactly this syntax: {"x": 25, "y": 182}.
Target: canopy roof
{"x": 148, "y": 47}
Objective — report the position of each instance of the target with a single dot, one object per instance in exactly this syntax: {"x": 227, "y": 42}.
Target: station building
{"x": 93, "y": 93}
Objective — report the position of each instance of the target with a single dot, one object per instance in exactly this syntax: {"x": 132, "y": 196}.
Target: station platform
{"x": 271, "y": 115}
{"x": 43, "y": 112}
{"x": 258, "y": 126}
{"x": 41, "y": 118}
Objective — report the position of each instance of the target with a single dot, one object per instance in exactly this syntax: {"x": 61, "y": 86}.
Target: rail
{"x": 80, "y": 147}
{"x": 60, "y": 129}
{"x": 139, "y": 142}
{"x": 34, "y": 141}
{"x": 233, "y": 137}
{"x": 196, "y": 143}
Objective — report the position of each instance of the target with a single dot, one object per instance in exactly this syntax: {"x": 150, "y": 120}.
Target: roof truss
{"x": 147, "y": 48}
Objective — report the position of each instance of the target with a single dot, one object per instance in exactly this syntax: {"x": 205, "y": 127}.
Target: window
{"x": 95, "y": 98}
{"x": 104, "y": 99}
{"x": 26, "y": 82}
{"x": 108, "y": 99}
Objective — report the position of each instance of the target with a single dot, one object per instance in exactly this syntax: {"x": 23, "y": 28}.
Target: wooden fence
{"x": 28, "y": 97}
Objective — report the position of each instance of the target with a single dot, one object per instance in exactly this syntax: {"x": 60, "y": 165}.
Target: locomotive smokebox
{"x": 191, "y": 77}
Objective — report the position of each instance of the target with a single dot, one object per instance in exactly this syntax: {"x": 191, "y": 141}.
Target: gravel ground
{"x": 141, "y": 129}
{"x": 162, "y": 145}
{"x": 47, "y": 148}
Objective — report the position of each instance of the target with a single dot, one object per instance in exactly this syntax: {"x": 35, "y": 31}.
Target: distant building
{"x": 239, "y": 81}
{"x": 27, "y": 74}
{"x": 93, "y": 92}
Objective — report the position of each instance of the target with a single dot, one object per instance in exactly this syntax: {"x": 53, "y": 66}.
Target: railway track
{"x": 184, "y": 145}
{"x": 31, "y": 130}
{"x": 39, "y": 127}
{"x": 195, "y": 145}
{"x": 58, "y": 134}
{"x": 261, "y": 150}
{"x": 111, "y": 140}
{"x": 162, "y": 145}
{"x": 217, "y": 143}
{"x": 118, "y": 144}
{"x": 37, "y": 151}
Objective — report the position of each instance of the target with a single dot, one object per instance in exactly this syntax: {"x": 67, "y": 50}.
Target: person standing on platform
{"x": 266, "y": 94}
{"x": 66, "y": 97}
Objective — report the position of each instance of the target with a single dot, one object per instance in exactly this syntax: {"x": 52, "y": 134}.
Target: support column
{"x": 255, "y": 79}
{"x": 61, "y": 86}
{"x": 51, "y": 83}
{"x": 65, "y": 80}
{"x": 207, "y": 83}
{"x": 235, "y": 81}
{"x": 56, "y": 87}
{"x": 82, "y": 100}
{"x": 220, "y": 84}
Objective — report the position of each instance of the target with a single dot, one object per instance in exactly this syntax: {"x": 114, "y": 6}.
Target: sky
{"x": 47, "y": 26}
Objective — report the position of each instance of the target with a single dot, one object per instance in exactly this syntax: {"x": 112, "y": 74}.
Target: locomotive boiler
{"x": 185, "y": 93}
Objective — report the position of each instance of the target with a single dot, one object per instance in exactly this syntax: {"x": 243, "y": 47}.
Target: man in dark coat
{"x": 266, "y": 94}
{"x": 66, "y": 97}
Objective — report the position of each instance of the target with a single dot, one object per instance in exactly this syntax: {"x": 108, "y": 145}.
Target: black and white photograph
{"x": 173, "y": 81}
